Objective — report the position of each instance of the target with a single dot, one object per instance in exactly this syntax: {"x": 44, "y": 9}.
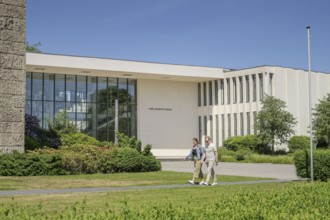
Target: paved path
{"x": 267, "y": 170}
{"x": 112, "y": 189}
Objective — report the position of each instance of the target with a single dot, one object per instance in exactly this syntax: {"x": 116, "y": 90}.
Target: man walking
{"x": 211, "y": 159}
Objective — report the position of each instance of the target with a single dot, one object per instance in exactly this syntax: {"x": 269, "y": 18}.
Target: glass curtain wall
{"x": 88, "y": 100}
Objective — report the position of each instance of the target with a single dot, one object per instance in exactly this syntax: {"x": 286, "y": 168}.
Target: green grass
{"x": 299, "y": 200}
{"x": 103, "y": 180}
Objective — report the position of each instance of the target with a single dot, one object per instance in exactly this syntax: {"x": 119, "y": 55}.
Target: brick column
{"x": 12, "y": 75}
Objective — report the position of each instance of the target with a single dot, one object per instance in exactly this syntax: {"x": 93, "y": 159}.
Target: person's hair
{"x": 195, "y": 139}
{"x": 208, "y": 137}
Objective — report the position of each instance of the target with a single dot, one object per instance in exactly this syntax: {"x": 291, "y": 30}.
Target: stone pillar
{"x": 12, "y": 75}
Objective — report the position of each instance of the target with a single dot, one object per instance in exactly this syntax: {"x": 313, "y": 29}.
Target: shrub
{"x": 234, "y": 143}
{"x": 242, "y": 154}
{"x": 31, "y": 164}
{"x": 259, "y": 158}
{"x": 150, "y": 163}
{"x": 61, "y": 124}
{"x": 42, "y": 136}
{"x": 131, "y": 142}
{"x": 298, "y": 143}
{"x": 78, "y": 138}
{"x": 30, "y": 143}
{"x": 240, "y": 142}
{"x": 81, "y": 158}
{"x": 126, "y": 160}
{"x": 147, "y": 150}
{"x": 321, "y": 164}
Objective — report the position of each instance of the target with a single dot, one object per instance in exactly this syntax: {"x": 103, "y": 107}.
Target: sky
{"x": 231, "y": 34}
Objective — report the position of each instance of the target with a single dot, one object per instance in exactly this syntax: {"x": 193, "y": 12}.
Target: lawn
{"x": 295, "y": 200}
{"x": 103, "y": 180}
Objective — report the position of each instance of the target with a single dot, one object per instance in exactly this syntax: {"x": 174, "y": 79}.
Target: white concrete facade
{"x": 236, "y": 115}
{"x": 171, "y": 98}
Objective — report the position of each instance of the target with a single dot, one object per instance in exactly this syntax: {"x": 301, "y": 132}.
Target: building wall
{"x": 167, "y": 115}
{"x": 236, "y": 116}
{"x": 12, "y": 75}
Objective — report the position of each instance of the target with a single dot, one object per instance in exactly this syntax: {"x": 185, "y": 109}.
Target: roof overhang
{"x": 63, "y": 64}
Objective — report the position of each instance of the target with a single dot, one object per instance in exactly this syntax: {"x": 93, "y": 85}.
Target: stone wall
{"x": 12, "y": 74}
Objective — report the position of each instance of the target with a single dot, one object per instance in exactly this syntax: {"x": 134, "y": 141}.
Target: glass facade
{"x": 88, "y": 100}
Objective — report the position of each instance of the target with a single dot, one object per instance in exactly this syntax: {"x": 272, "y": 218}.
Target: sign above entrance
{"x": 159, "y": 109}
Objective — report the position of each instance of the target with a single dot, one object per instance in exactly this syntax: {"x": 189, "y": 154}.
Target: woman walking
{"x": 197, "y": 155}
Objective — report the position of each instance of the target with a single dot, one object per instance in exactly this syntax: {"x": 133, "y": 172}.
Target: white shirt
{"x": 210, "y": 152}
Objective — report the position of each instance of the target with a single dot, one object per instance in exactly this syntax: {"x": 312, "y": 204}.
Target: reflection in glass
{"x": 48, "y": 112}
{"x": 91, "y": 89}
{"x": 113, "y": 90}
{"x": 54, "y": 93}
{"x": 70, "y": 88}
{"x": 59, "y": 87}
{"x": 81, "y": 89}
{"x": 132, "y": 91}
{"x": 28, "y": 86}
{"x": 37, "y": 110}
{"x": 122, "y": 91}
{"x": 37, "y": 86}
{"x": 49, "y": 80}
{"x": 91, "y": 120}
{"x": 28, "y": 107}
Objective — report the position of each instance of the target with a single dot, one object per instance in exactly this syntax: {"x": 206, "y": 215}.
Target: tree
{"x": 33, "y": 48}
{"x": 274, "y": 125}
{"x": 321, "y": 122}
{"x": 62, "y": 124}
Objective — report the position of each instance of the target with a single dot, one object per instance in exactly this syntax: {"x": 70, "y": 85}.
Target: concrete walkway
{"x": 266, "y": 170}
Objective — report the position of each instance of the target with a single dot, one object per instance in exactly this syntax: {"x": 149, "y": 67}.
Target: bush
{"x": 78, "y": 138}
{"x": 298, "y": 143}
{"x": 321, "y": 164}
{"x": 259, "y": 158}
{"x": 32, "y": 164}
{"x": 62, "y": 124}
{"x": 30, "y": 143}
{"x": 149, "y": 164}
{"x": 242, "y": 154}
{"x": 131, "y": 142}
{"x": 79, "y": 158}
{"x": 240, "y": 142}
{"x": 37, "y": 134}
{"x": 126, "y": 160}
{"x": 234, "y": 143}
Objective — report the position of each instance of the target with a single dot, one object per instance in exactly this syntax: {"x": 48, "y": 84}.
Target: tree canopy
{"x": 321, "y": 122}
{"x": 274, "y": 125}
{"x": 33, "y": 48}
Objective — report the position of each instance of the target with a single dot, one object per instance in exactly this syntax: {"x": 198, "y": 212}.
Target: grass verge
{"x": 103, "y": 180}
{"x": 299, "y": 200}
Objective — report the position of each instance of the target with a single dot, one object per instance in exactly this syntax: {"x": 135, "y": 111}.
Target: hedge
{"x": 321, "y": 164}
{"x": 32, "y": 164}
{"x": 76, "y": 159}
{"x": 298, "y": 143}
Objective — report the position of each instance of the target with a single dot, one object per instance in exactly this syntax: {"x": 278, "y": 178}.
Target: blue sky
{"x": 221, "y": 33}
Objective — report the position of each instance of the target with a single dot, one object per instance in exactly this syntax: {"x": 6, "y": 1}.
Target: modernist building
{"x": 164, "y": 105}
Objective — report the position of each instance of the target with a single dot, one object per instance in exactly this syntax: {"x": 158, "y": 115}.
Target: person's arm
{"x": 216, "y": 156}
{"x": 203, "y": 153}
{"x": 189, "y": 155}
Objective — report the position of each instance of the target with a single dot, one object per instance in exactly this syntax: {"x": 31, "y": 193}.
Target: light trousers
{"x": 210, "y": 171}
{"x": 198, "y": 173}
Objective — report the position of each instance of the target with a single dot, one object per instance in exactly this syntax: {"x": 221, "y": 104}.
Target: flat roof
{"x": 64, "y": 64}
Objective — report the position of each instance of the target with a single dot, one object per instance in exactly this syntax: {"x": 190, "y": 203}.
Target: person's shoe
{"x": 206, "y": 183}
{"x": 191, "y": 182}
{"x": 214, "y": 184}
{"x": 201, "y": 183}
